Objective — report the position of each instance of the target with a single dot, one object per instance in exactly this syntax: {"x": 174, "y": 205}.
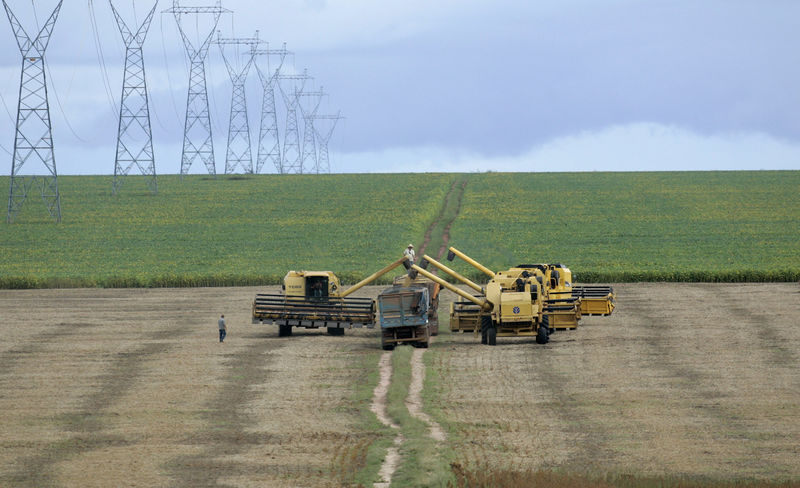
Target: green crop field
{"x": 677, "y": 226}
{"x": 202, "y": 231}
{"x": 683, "y": 226}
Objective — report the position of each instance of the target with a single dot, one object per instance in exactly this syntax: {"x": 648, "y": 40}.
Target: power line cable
{"x": 101, "y": 59}
{"x": 166, "y": 63}
{"x": 61, "y": 107}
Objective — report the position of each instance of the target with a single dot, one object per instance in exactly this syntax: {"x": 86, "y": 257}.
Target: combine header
{"x": 314, "y": 299}
{"x": 527, "y": 300}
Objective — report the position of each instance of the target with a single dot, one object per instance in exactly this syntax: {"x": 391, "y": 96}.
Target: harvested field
{"x": 131, "y": 387}
{"x": 694, "y": 380}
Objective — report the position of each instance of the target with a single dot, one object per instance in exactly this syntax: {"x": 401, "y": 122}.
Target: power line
{"x": 98, "y": 46}
{"x": 61, "y": 108}
{"x": 166, "y": 63}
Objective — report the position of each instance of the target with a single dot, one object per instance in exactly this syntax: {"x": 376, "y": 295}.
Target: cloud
{"x": 632, "y": 147}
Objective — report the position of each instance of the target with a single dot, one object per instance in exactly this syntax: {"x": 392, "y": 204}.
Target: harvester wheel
{"x": 284, "y": 330}
{"x": 336, "y": 331}
{"x": 542, "y": 337}
{"x": 491, "y": 336}
{"x": 486, "y": 324}
{"x": 546, "y": 324}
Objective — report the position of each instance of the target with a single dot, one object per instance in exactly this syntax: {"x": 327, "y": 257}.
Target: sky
{"x": 467, "y": 86}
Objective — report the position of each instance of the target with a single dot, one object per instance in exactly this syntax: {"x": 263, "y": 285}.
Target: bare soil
{"x": 696, "y": 380}
{"x": 132, "y": 388}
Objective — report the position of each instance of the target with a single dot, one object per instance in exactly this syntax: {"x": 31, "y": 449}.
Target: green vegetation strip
{"x": 424, "y": 461}
{"x": 359, "y": 466}
{"x": 607, "y": 227}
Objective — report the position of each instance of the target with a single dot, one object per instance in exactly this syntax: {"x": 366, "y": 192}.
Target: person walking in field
{"x": 410, "y": 254}
{"x": 222, "y": 330}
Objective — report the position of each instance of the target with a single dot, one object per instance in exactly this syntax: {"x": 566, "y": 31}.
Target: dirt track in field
{"x": 131, "y": 387}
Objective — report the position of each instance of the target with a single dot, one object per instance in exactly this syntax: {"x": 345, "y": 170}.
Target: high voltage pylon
{"x": 269, "y": 148}
{"x": 134, "y": 135}
{"x": 291, "y": 158}
{"x": 308, "y": 112}
{"x": 323, "y": 138}
{"x": 239, "y": 152}
{"x": 198, "y": 142}
{"x": 34, "y": 132}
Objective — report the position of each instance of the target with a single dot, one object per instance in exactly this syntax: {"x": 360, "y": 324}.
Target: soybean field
{"x": 247, "y": 230}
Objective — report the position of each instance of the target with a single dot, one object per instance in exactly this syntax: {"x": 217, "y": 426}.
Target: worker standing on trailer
{"x": 222, "y": 330}
{"x": 410, "y": 254}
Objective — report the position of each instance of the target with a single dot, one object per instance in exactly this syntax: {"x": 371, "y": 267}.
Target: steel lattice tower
{"x": 291, "y": 161}
{"x": 323, "y": 138}
{"x": 134, "y": 135}
{"x": 239, "y": 152}
{"x": 309, "y": 144}
{"x": 197, "y": 138}
{"x": 34, "y": 131}
{"x": 269, "y": 148}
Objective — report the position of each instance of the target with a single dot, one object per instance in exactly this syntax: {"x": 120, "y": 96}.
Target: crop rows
{"x": 206, "y": 232}
{"x": 607, "y": 227}
{"x": 616, "y": 227}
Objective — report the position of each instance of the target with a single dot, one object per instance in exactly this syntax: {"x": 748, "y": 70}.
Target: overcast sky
{"x": 468, "y": 85}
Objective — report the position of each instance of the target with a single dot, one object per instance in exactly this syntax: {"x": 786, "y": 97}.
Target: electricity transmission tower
{"x": 34, "y": 132}
{"x": 239, "y": 152}
{"x": 291, "y": 159}
{"x": 197, "y": 140}
{"x": 309, "y": 112}
{"x": 323, "y": 138}
{"x": 134, "y": 135}
{"x": 269, "y": 148}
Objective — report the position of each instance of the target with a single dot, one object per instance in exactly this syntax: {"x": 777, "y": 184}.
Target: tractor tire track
{"x": 87, "y": 424}
{"x": 378, "y": 406}
{"x": 414, "y": 398}
{"x": 228, "y": 424}
{"x": 426, "y": 240}
{"x": 446, "y": 231}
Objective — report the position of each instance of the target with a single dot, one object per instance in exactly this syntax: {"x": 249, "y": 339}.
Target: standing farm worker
{"x": 409, "y": 252}
{"x": 222, "y": 331}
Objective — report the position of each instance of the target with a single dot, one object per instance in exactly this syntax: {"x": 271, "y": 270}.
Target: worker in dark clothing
{"x": 222, "y": 329}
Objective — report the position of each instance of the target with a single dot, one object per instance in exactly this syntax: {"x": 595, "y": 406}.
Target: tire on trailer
{"x": 284, "y": 330}
{"x": 388, "y": 347}
{"x": 336, "y": 331}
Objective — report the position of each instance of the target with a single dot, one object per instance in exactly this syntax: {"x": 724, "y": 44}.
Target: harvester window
{"x": 317, "y": 286}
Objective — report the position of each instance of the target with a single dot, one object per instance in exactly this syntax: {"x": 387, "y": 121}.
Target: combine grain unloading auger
{"x": 527, "y": 300}
{"x": 314, "y": 299}
{"x": 507, "y": 307}
{"x": 557, "y": 281}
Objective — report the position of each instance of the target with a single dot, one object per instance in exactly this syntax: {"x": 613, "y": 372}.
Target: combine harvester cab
{"x": 562, "y": 309}
{"x": 314, "y": 299}
{"x": 404, "y": 314}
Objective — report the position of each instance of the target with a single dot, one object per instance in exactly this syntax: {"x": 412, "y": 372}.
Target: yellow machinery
{"x": 557, "y": 281}
{"x": 527, "y": 300}
{"x": 314, "y": 299}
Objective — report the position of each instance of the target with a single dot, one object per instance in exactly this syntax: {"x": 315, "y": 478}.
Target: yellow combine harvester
{"x": 314, "y": 299}
{"x": 527, "y": 300}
